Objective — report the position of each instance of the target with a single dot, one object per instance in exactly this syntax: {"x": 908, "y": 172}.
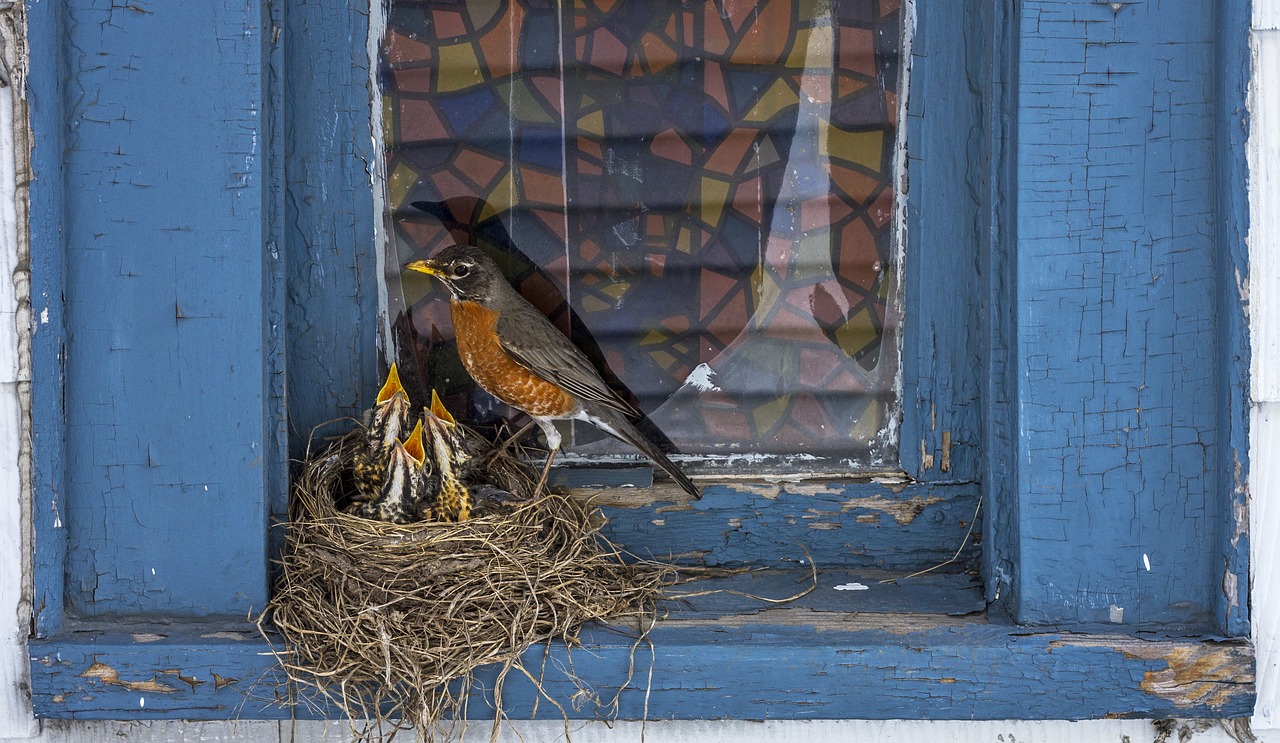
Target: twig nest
{"x": 378, "y": 618}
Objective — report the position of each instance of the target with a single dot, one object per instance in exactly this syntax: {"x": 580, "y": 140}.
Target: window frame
{"x": 929, "y": 669}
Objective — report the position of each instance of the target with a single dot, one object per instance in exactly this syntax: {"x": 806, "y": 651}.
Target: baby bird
{"x": 386, "y": 422}
{"x": 452, "y": 450}
{"x": 461, "y": 493}
{"x": 407, "y": 481}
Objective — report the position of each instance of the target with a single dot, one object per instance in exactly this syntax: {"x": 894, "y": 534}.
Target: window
{"x": 202, "y": 229}
{"x": 709, "y": 187}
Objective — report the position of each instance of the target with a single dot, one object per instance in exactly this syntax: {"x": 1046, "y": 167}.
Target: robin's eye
{"x": 461, "y": 271}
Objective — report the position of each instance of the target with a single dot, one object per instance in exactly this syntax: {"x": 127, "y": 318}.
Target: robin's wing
{"x": 534, "y": 343}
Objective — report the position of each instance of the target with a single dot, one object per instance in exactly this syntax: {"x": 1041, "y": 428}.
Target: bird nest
{"x": 389, "y": 622}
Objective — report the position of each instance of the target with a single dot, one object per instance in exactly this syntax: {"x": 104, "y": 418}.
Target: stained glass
{"x": 700, "y": 193}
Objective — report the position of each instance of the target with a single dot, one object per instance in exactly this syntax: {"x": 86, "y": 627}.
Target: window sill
{"x": 923, "y": 650}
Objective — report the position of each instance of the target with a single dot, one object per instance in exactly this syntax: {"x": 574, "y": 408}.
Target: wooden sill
{"x": 920, "y": 649}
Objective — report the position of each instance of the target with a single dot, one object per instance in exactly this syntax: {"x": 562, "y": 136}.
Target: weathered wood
{"x": 657, "y": 731}
{"x": 942, "y": 341}
{"x": 1264, "y": 234}
{"x": 166, "y": 394}
{"x": 15, "y": 377}
{"x": 988, "y": 669}
{"x": 1263, "y": 289}
{"x": 889, "y": 526}
{"x": 48, "y": 268}
{"x": 1121, "y": 488}
{"x": 333, "y": 276}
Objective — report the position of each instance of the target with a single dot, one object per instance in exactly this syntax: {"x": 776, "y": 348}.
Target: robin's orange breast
{"x": 495, "y": 371}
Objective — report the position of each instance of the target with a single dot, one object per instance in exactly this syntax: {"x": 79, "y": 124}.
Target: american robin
{"x": 515, "y": 354}
{"x": 407, "y": 481}
{"x": 462, "y": 491}
{"x": 383, "y": 426}
{"x": 452, "y": 452}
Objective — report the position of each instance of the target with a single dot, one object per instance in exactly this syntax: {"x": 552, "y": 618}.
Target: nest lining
{"x": 382, "y": 619}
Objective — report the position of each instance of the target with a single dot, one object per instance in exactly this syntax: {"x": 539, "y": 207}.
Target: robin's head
{"x": 464, "y": 269}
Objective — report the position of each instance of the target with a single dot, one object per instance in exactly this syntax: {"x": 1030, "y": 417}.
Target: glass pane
{"x": 701, "y": 193}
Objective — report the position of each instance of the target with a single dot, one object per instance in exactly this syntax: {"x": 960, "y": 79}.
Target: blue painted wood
{"x": 902, "y": 528}
{"x": 167, "y": 407}
{"x": 334, "y": 344}
{"x": 842, "y": 664}
{"x": 48, "y": 432}
{"x": 784, "y": 666}
{"x": 1000, "y": 563}
{"x": 1235, "y": 63}
{"x": 942, "y": 359}
{"x": 1119, "y": 383}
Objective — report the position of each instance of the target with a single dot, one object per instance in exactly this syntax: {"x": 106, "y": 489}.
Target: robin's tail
{"x": 615, "y": 424}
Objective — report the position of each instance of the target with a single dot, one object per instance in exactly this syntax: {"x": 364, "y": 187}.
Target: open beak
{"x": 392, "y": 385}
{"x": 438, "y": 409}
{"x": 413, "y": 446}
{"x": 428, "y": 267}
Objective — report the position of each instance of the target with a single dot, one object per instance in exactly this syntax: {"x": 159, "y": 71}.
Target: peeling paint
{"x": 765, "y": 490}
{"x": 1212, "y": 674}
{"x": 926, "y": 456}
{"x": 902, "y": 511}
{"x": 108, "y": 675}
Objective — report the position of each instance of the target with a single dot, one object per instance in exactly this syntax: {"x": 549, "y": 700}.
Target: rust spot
{"x": 108, "y": 675}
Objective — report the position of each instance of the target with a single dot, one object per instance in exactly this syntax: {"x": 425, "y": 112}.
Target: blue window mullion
{"x": 48, "y": 430}
{"x": 1120, "y": 493}
{"x": 168, "y": 418}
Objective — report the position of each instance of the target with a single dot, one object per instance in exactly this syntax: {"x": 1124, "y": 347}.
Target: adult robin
{"x": 515, "y": 354}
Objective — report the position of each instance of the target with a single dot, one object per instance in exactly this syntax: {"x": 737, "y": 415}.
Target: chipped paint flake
{"x": 902, "y": 511}
{"x": 701, "y": 379}
{"x": 109, "y": 676}
{"x": 852, "y": 587}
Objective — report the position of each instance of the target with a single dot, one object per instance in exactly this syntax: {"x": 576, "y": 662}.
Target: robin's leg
{"x": 553, "y": 445}
{"x": 513, "y": 438}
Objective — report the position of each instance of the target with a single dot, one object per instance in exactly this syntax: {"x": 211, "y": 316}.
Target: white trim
{"x": 1266, "y": 15}
{"x": 16, "y": 719}
{"x": 1264, "y": 292}
{"x": 1264, "y": 232}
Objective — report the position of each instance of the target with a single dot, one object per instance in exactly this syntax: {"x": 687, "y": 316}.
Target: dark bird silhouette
{"x": 515, "y": 354}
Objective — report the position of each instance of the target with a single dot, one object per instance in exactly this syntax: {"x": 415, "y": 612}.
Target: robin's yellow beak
{"x": 428, "y": 267}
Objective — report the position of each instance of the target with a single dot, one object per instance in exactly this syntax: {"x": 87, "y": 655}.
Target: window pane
{"x": 708, "y": 186}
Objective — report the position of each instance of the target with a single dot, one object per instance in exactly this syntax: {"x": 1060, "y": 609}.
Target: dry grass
{"x": 389, "y": 622}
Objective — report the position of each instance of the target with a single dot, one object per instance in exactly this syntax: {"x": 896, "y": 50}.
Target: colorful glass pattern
{"x": 701, "y": 193}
